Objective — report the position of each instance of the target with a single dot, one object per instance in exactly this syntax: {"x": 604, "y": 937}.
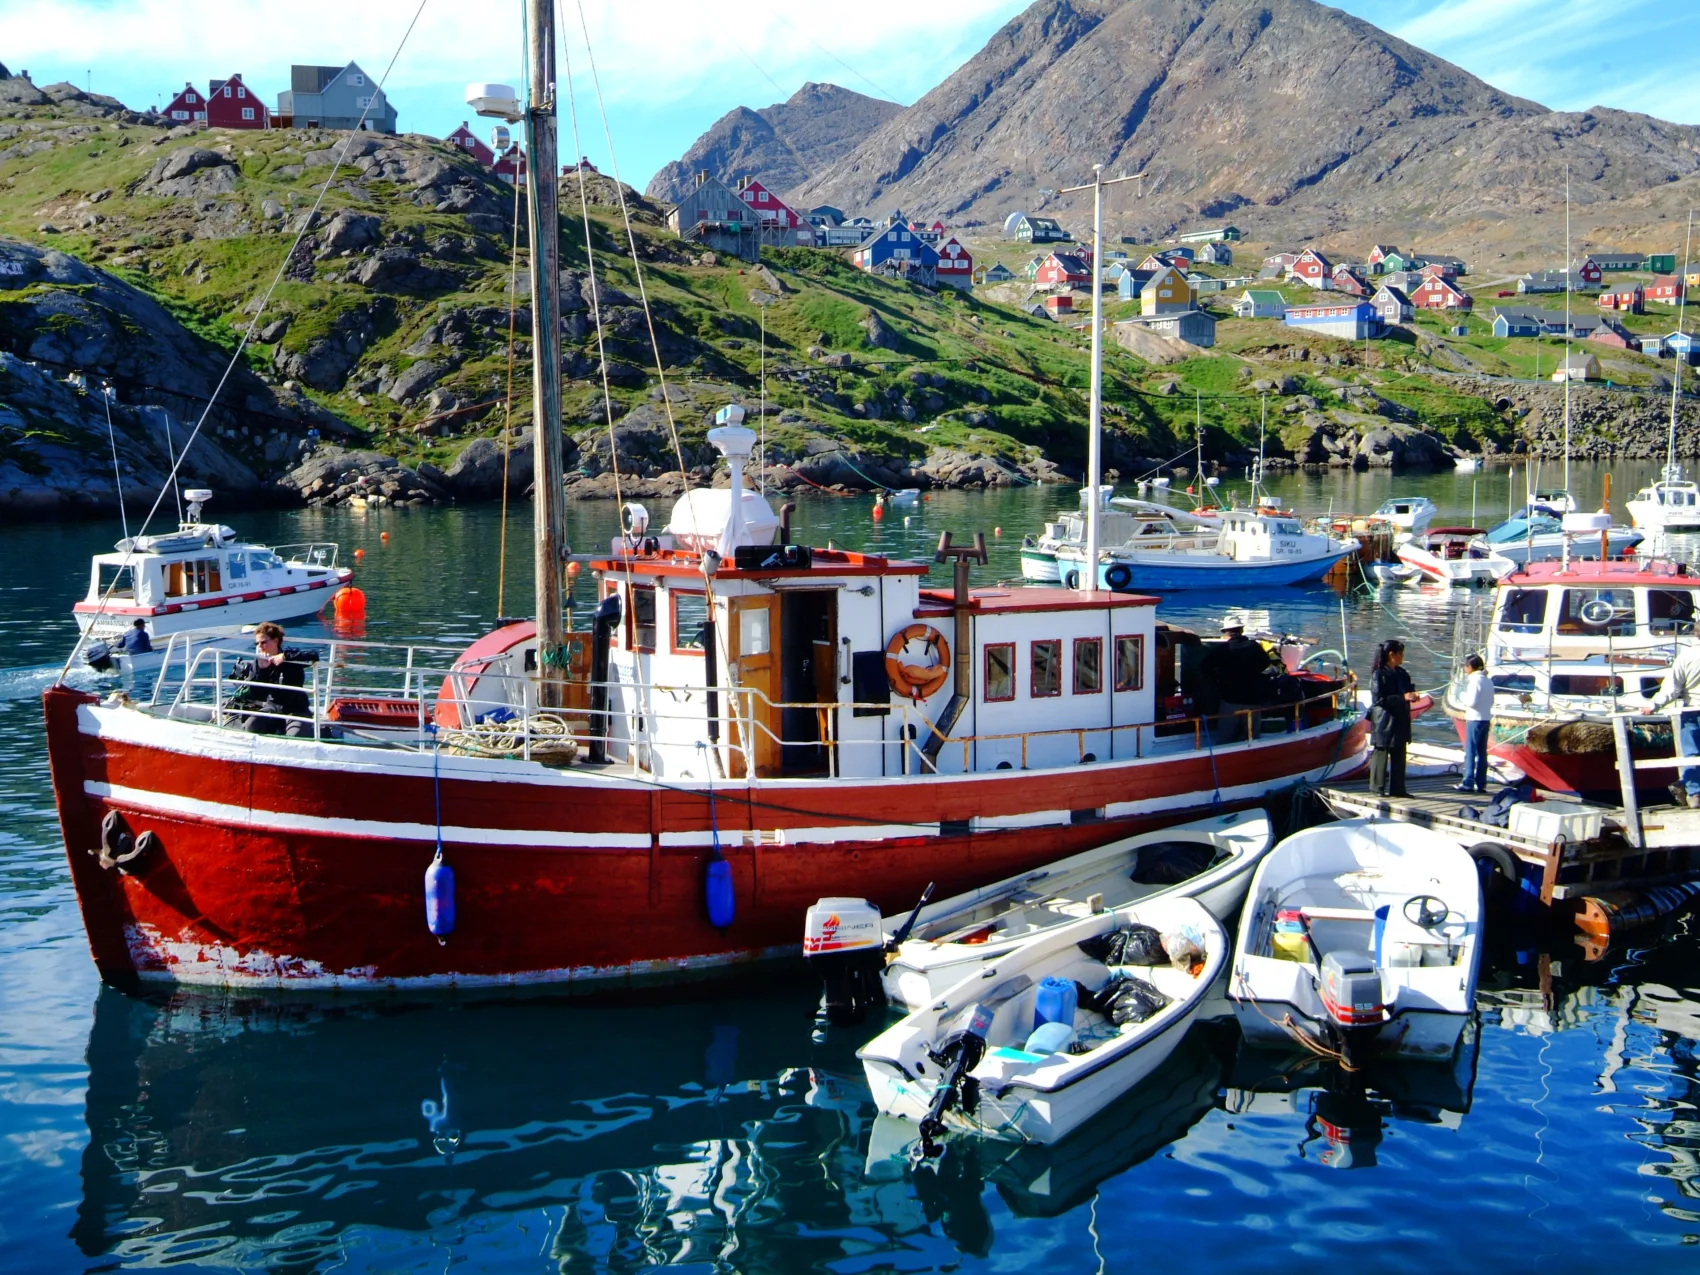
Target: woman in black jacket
{"x": 1391, "y": 692}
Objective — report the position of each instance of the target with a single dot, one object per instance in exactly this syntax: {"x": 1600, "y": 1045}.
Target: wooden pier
{"x": 1637, "y": 849}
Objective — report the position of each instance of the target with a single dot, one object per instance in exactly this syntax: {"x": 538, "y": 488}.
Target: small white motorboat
{"x": 1466, "y": 464}
{"x": 904, "y": 496}
{"x": 1361, "y": 937}
{"x": 1454, "y": 555}
{"x": 1393, "y": 572}
{"x": 915, "y": 958}
{"x": 1035, "y": 1044}
{"x": 199, "y": 577}
{"x": 1410, "y": 514}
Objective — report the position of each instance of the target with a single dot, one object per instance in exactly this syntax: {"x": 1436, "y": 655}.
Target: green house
{"x": 1661, "y": 262}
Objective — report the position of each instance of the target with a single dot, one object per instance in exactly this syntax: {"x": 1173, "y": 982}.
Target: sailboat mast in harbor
{"x": 1095, "y": 409}
{"x": 1678, "y": 355}
{"x": 1569, "y": 293}
{"x": 543, "y": 208}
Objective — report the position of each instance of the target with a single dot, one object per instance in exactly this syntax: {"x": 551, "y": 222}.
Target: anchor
{"x": 117, "y": 846}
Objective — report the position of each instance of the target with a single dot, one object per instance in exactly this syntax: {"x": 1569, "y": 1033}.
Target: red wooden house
{"x": 464, "y": 140}
{"x": 1313, "y": 268}
{"x": 188, "y": 106}
{"x": 1665, "y": 287}
{"x": 772, "y": 212}
{"x": 232, "y": 104}
{"x": 1435, "y": 293}
{"x": 1612, "y": 333}
{"x": 1063, "y": 269}
{"x": 956, "y": 264}
{"x": 1379, "y": 253}
{"x": 1588, "y": 272}
{"x": 1625, "y": 300}
{"x": 1060, "y": 305}
{"x": 1350, "y": 282}
{"x": 510, "y": 167}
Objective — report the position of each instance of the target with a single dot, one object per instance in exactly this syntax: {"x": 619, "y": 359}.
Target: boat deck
{"x": 1568, "y": 871}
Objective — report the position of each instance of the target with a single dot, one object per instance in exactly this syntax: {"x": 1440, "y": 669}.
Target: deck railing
{"x": 420, "y": 697}
{"x": 309, "y": 553}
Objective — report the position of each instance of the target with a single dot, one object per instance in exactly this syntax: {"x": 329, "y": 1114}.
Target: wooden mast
{"x": 543, "y": 188}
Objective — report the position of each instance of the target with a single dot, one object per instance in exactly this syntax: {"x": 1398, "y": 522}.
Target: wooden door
{"x": 755, "y": 638}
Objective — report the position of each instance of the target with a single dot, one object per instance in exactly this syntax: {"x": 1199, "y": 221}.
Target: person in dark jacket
{"x": 271, "y": 686}
{"x": 136, "y": 641}
{"x": 1237, "y": 670}
{"x": 1391, "y": 692}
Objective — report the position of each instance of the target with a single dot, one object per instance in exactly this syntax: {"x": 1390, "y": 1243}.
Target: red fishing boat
{"x": 743, "y": 726}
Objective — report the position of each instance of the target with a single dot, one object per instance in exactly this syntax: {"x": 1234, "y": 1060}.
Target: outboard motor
{"x": 1351, "y": 993}
{"x": 98, "y": 656}
{"x": 844, "y": 941}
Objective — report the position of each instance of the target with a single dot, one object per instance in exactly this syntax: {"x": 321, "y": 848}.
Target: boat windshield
{"x": 1523, "y": 611}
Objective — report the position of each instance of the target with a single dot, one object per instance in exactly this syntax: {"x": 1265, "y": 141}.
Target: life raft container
{"x": 917, "y": 681}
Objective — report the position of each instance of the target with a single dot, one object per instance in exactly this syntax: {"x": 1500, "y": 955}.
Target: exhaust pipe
{"x": 601, "y": 634}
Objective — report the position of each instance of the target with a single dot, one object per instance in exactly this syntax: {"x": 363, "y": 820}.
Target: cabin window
{"x": 264, "y": 561}
{"x": 643, "y": 617}
{"x": 1586, "y": 684}
{"x": 1523, "y": 611}
{"x": 185, "y": 578}
{"x": 999, "y": 681}
{"x": 1088, "y": 666}
{"x": 1571, "y": 620}
{"x": 238, "y": 568}
{"x": 1514, "y": 681}
{"x": 690, "y": 616}
{"x": 1044, "y": 669}
{"x": 117, "y": 580}
{"x": 1670, "y": 610}
{"x": 1130, "y": 662}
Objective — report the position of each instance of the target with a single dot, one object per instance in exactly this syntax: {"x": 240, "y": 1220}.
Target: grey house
{"x": 716, "y": 217}
{"x": 334, "y": 97}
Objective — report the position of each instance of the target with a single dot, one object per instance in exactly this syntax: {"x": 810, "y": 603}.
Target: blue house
{"x": 898, "y": 250}
{"x": 1354, "y": 321}
{"x": 1130, "y": 283}
{"x": 1515, "y": 323}
{"x": 1682, "y": 345}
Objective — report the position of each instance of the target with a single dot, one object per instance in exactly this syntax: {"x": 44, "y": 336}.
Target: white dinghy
{"x": 1034, "y": 1045}
{"x": 1363, "y": 937}
{"x": 919, "y": 956}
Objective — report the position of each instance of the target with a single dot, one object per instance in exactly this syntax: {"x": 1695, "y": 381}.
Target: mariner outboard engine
{"x": 1351, "y": 994}
{"x": 98, "y": 656}
{"x": 843, "y": 941}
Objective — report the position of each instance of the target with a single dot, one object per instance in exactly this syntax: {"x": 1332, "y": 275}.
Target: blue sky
{"x": 667, "y": 73}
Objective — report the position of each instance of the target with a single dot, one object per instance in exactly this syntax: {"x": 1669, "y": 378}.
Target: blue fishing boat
{"x": 1252, "y": 550}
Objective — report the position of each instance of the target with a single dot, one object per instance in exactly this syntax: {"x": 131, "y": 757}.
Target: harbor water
{"x": 714, "y": 1129}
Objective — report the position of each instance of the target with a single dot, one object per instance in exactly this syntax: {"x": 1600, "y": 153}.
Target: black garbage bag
{"x": 1124, "y": 999}
{"x": 1134, "y": 945}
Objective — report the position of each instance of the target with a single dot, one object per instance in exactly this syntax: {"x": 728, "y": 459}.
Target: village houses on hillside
{"x": 334, "y": 97}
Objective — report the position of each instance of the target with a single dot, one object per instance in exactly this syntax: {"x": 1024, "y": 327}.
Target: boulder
{"x": 400, "y": 270}
{"x": 418, "y": 378}
{"x": 349, "y": 232}
{"x": 476, "y": 473}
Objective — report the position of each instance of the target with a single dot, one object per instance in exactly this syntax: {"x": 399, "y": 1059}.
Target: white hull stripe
{"x": 230, "y": 816}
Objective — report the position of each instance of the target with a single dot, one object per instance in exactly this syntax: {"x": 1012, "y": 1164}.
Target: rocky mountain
{"x": 784, "y": 144}
{"x": 1294, "y": 119}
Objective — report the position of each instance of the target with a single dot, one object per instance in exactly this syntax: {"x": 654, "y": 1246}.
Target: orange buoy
{"x": 384, "y": 536}
{"x": 359, "y": 553}
{"x": 349, "y": 605}
{"x": 879, "y": 512}
{"x": 572, "y": 568}
{"x": 997, "y": 531}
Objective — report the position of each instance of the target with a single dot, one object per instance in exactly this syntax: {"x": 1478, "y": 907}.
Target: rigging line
{"x": 508, "y": 412}
{"x": 117, "y": 479}
{"x": 631, "y": 240}
{"x": 841, "y": 62}
{"x": 247, "y": 334}
{"x": 590, "y": 268}
{"x": 171, "y": 456}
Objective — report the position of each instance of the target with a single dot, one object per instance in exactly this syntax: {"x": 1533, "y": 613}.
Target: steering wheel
{"x": 1429, "y": 911}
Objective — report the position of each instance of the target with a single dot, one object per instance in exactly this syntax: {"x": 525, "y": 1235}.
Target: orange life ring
{"x": 917, "y": 681}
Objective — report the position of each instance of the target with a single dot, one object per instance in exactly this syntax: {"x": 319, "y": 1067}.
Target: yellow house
{"x": 1691, "y": 276}
{"x": 1166, "y": 292}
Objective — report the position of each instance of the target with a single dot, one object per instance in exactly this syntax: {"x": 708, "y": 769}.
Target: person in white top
{"x": 1682, "y": 686}
{"x": 1477, "y": 700}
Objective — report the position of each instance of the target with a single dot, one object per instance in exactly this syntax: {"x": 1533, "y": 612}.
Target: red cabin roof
{"x": 1618, "y": 572}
